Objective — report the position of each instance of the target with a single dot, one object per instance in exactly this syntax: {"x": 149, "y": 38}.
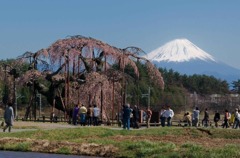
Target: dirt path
{"x": 20, "y": 126}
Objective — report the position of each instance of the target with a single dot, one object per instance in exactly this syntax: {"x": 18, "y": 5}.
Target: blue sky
{"x": 212, "y": 25}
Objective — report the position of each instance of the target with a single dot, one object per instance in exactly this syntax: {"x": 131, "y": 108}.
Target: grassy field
{"x": 115, "y": 142}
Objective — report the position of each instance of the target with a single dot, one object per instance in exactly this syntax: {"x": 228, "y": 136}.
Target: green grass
{"x": 25, "y": 146}
{"x": 64, "y": 150}
{"x": 134, "y": 143}
{"x": 149, "y": 149}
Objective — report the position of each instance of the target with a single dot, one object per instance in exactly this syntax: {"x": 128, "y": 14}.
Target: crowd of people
{"x": 131, "y": 116}
{"x": 89, "y": 116}
{"x": 228, "y": 120}
{"x": 86, "y": 116}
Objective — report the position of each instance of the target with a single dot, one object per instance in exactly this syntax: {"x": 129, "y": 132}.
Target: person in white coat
{"x": 169, "y": 115}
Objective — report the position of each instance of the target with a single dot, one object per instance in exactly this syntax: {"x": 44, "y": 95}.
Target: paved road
{"x": 12, "y": 154}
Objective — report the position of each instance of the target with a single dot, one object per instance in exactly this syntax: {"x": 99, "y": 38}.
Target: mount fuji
{"x": 183, "y": 56}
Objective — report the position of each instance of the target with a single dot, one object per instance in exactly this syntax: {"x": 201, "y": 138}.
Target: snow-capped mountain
{"x": 179, "y": 50}
{"x": 183, "y": 56}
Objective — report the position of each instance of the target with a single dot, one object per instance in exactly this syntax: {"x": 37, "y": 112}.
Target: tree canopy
{"x": 80, "y": 70}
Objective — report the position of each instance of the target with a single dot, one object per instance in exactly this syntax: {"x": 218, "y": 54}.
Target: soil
{"x": 46, "y": 146}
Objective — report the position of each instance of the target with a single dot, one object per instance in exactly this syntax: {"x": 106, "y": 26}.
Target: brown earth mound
{"x": 46, "y": 146}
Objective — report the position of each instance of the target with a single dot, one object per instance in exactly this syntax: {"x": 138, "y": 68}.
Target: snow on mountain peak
{"x": 179, "y": 50}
